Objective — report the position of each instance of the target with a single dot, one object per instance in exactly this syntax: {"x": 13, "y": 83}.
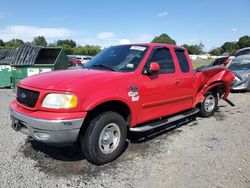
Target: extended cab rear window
{"x": 183, "y": 62}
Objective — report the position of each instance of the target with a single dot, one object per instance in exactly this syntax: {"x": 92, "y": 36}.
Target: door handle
{"x": 178, "y": 82}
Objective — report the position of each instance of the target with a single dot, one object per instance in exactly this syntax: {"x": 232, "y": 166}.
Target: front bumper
{"x": 56, "y": 132}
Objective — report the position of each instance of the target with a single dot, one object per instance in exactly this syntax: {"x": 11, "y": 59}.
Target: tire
{"x": 104, "y": 138}
{"x": 209, "y": 104}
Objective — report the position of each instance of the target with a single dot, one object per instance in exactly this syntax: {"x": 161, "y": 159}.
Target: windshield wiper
{"x": 104, "y": 66}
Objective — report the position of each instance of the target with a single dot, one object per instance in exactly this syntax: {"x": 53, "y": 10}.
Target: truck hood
{"x": 70, "y": 80}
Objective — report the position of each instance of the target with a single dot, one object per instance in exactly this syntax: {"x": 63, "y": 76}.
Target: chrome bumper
{"x": 48, "y": 131}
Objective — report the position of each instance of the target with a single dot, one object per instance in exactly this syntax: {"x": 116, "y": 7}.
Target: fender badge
{"x": 133, "y": 93}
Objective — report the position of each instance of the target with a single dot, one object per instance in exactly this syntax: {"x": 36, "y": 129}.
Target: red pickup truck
{"x": 135, "y": 87}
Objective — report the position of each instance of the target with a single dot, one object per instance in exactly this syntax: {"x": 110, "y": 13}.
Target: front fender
{"x": 100, "y": 101}
{"x": 132, "y": 106}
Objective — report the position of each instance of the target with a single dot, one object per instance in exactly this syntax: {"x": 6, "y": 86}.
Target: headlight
{"x": 60, "y": 101}
{"x": 236, "y": 79}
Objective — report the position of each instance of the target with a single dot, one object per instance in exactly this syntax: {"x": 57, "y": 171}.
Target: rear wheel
{"x": 105, "y": 138}
{"x": 209, "y": 104}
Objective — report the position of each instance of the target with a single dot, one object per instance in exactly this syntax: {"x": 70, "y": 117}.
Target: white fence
{"x": 206, "y": 56}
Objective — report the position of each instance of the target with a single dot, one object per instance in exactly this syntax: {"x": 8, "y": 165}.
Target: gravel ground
{"x": 209, "y": 152}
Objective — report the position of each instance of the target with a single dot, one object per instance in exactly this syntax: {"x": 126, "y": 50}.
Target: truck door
{"x": 185, "y": 78}
{"x": 159, "y": 92}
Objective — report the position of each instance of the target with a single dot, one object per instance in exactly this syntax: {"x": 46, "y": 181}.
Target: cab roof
{"x": 156, "y": 44}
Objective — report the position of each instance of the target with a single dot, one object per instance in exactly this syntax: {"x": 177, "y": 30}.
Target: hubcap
{"x": 109, "y": 138}
{"x": 209, "y": 103}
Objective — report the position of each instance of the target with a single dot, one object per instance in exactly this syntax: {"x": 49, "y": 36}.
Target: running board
{"x": 166, "y": 121}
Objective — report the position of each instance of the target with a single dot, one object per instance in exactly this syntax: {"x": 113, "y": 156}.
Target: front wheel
{"x": 209, "y": 104}
{"x": 105, "y": 138}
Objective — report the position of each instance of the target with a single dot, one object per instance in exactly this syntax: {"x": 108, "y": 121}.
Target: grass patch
{"x": 200, "y": 62}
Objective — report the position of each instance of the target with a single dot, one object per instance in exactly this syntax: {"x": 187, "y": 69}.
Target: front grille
{"x": 27, "y": 97}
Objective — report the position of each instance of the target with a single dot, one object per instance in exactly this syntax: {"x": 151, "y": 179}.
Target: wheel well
{"x": 219, "y": 89}
{"x": 115, "y": 106}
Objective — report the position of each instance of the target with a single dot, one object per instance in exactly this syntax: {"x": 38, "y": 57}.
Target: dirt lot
{"x": 212, "y": 152}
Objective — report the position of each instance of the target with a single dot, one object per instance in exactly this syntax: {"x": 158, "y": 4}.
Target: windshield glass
{"x": 125, "y": 58}
{"x": 240, "y": 65}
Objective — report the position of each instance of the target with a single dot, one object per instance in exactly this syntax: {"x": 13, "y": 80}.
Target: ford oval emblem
{"x": 23, "y": 95}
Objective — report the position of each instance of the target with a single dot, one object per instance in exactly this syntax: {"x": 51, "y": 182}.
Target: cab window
{"x": 183, "y": 62}
{"x": 164, "y": 58}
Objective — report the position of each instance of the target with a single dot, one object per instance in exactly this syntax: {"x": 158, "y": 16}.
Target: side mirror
{"x": 154, "y": 67}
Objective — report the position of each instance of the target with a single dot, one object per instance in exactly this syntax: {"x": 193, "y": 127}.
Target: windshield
{"x": 240, "y": 65}
{"x": 124, "y": 58}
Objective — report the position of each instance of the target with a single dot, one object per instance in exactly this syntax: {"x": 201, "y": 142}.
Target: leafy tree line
{"x": 69, "y": 46}
{"x": 163, "y": 38}
{"x": 231, "y": 47}
{"x": 12, "y": 44}
{"x": 192, "y": 49}
{"x": 228, "y": 47}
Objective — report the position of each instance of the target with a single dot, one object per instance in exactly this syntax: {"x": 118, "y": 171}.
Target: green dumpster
{"x": 31, "y": 60}
{"x": 6, "y": 58}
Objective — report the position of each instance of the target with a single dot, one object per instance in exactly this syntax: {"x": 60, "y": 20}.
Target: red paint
{"x": 159, "y": 94}
{"x": 75, "y": 62}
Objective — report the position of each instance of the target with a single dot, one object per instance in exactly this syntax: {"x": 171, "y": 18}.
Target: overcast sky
{"x": 106, "y": 22}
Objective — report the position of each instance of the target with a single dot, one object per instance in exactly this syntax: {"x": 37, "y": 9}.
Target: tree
{"x": 40, "y": 40}
{"x": 80, "y": 50}
{"x": 244, "y": 42}
{"x": 14, "y": 43}
{"x": 1, "y": 42}
{"x": 67, "y": 42}
{"x": 163, "y": 38}
{"x": 194, "y": 49}
{"x": 86, "y": 50}
{"x": 52, "y": 45}
{"x": 93, "y": 50}
{"x": 67, "y": 49}
{"x": 230, "y": 48}
{"x": 216, "y": 51}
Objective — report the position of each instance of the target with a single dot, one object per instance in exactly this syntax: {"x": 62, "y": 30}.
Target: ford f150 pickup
{"x": 135, "y": 87}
